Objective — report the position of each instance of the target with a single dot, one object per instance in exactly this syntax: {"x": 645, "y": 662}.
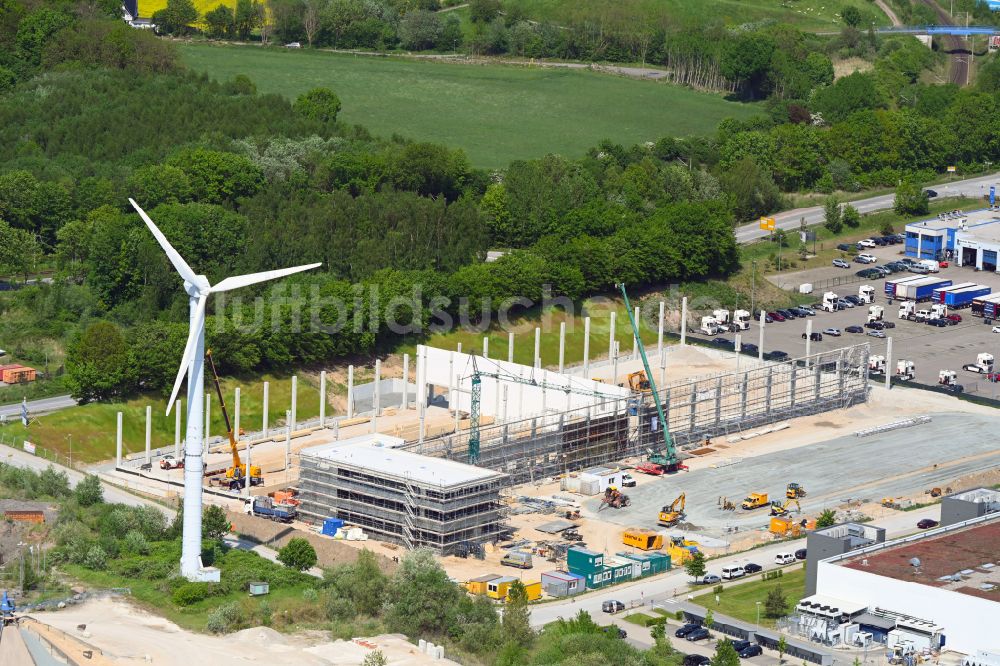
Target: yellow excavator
{"x": 235, "y": 475}
{"x": 671, "y": 515}
{"x": 638, "y": 382}
{"x": 778, "y": 509}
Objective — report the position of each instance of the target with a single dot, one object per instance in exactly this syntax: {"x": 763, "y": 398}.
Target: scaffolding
{"x": 557, "y": 442}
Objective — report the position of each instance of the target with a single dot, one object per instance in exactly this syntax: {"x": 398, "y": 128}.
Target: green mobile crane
{"x": 667, "y": 458}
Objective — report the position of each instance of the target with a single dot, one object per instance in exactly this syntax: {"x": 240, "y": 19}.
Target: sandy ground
{"x": 119, "y": 629}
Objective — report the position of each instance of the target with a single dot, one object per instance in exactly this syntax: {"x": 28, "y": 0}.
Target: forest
{"x": 93, "y": 112}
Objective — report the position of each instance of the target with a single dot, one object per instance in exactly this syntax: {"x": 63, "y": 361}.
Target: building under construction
{"x": 401, "y": 496}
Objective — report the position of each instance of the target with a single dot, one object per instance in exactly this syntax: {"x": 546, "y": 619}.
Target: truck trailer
{"x": 961, "y": 298}
{"x": 920, "y": 290}
{"x": 985, "y": 306}
{"x": 265, "y": 507}
{"x": 938, "y": 295}
{"x": 892, "y": 285}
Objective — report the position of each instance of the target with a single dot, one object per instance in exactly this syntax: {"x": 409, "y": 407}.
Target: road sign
{"x": 952, "y": 169}
{"x": 767, "y": 223}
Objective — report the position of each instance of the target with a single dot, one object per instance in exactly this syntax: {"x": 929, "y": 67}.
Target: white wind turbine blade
{"x": 197, "y": 326}
{"x": 175, "y": 258}
{"x": 253, "y": 278}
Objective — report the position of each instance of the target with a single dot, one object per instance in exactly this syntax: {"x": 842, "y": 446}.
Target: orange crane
{"x": 237, "y": 473}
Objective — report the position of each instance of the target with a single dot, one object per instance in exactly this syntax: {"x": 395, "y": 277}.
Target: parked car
{"x": 722, "y": 342}
{"x": 868, "y": 273}
{"x": 854, "y": 329}
{"x": 881, "y": 270}
{"x": 875, "y": 325}
{"x": 802, "y": 312}
{"x": 876, "y": 334}
{"x": 815, "y": 337}
{"x": 776, "y": 355}
{"x": 995, "y": 329}
{"x": 784, "y": 558}
{"x": 845, "y": 247}
{"x": 293, "y": 45}
{"x": 787, "y": 314}
{"x": 767, "y": 318}
{"x": 752, "y": 568}
{"x": 615, "y": 631}
{"x": 840, "y": 263}
{"x": 696, "y": 660}
{"x": 711, "y": 579}
{"x": 888, "y": 324}
{"x": 943, "y": 264}
{"x": 749, "y": 348}
{"x": 845, "y": 303}
{"x": 808, "y": 310}
{"x": 682, "y": 632}
{"x": 937, "y": 321}
{"x": 919, "y": 269}
{"x": 891, "y": 240}
{"x": 800, "y": 554}
{"x": 775, "y": 316}
{"x": 701, "y": 633}
{"x": 746, "y": 649}
{"x": 887, "y": 268}
{"x": 851, "y": 298}
{"x": 866, "y": 258}
{"x": 927, "y": 523}
{"x": 868, "y": 242}
{"x": 835, "y": 332}
{"x": 930, "y": 193}
{"x": 612, "y": 606}
{"x": 954, "y": 317}
{"x": 907, "y": 260}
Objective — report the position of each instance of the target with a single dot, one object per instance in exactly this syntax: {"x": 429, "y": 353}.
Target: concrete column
{"x": 809, "y": 330}
{"x": 295, "y": 400}
{"x": 406, "y": 381}
{"x": 743, "y": 397}
{"x": 350, "y": 391}
{"x": 663, "y": 373}
{"x": 611, "y": 337}
{"x": 684, "y": 320}
{"x": 149, "y": 430}
{"x": 538, "y": 347}
{"x": 236, "y": 414}
{"x": 562, "y": 345}
{"x": 249, "y": 475}
{"x": 177, "y": 429}
{"x": 263, "y": 426}
{"x": 840, "y": 374}
{"x": 635, "y": 340}
{"x": 322, "y": 399}
{"x": 818, "y": 380}
{"x": 614, "y": 362}
{"x": 760, "y": 343}
{"x": 288, "y": 439}
{"x": 458, "y": 348}
{"x": 791, "y": 385}
{"x": 452, "y": 384}
{"x": 510, "y": 347}
{"x": 504, "y": 412}
{"x": 718, "y": 399}
{"x": 692, "y": 416}
{"x": 208, "y": 414}
{"x": 920, "y": 239}
{"x": 767, "y": 389}
{"x": 118, "y": 442}
{"x": 586, "y": 348}
{"x": 486, "y": 346}
{"x": 659, "y": 330}
{"x": 377, "y": 395}
{"x": 888, "y": 362}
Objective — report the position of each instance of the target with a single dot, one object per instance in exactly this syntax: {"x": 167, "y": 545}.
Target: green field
{"x": 740, "y": 600}
{"x": 805, "y": 14}
{"x": 496, "y": 113}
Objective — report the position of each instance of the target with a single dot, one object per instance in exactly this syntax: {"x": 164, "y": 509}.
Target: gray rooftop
{"x": 971, "y": 219}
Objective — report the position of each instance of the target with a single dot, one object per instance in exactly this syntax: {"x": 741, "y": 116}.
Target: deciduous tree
{"x": 297, "y": 554}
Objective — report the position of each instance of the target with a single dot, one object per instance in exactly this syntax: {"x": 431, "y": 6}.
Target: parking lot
{"x": 931, "y": 349}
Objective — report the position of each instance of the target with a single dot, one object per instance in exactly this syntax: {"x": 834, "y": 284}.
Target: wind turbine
{"x": 193, "y": 366}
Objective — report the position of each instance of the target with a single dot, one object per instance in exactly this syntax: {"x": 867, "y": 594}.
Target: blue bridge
{"x": 940, "y": 30}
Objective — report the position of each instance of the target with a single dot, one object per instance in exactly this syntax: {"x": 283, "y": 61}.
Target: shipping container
{"x": 963, "y": 297}
{"x": 920, "y": 290}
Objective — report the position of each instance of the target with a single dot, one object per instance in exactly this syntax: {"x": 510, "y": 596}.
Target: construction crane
{"x": 503, "y": 376}
{"x": 669, "y": 515}
{"x": 668, "y": 457}
{"x": 778, "y": 509}
{"x": 238, "y": 472}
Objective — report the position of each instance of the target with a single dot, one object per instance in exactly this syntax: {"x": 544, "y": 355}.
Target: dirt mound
{"x": 259, "y": 636}
{"x": 689, "y": 356}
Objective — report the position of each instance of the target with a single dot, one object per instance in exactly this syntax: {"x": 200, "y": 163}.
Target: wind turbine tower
{"x": 193, "y": 367}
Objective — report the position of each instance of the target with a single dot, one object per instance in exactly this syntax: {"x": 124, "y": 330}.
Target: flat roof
{"x": 945, "y": 221}
{"x": 562, "y": 575}
{"x": 950, "y": 558}
{"x": 819, "y": 603}
{"x": 392, "y": 462}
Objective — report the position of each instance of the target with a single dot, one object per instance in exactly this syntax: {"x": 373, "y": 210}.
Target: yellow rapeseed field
{"x": 147, "y": 7}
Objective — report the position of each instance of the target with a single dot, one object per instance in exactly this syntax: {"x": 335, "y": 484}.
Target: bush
{"x": 309, "y": 594}
{"x": 88, "y": 491}
{"x": 191, "y": 593}
{"x": 225, "y": 618}
{"x": 136, "y": 543}
{"x": 95, "y": 558}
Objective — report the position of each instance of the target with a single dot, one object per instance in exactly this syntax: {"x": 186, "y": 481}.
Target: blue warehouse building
{"x": 965, "y": 238}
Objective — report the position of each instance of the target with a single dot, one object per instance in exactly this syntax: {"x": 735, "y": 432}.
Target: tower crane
{"x": 238, "y": 472}
{"x": 504, "y": 376}
{"x": 668, "y": 457}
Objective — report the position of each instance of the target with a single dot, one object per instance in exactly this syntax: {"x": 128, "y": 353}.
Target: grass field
{"x": 805, "y": 14}
{"x": 740, "y": 601}
{"x": 496, "y": 113}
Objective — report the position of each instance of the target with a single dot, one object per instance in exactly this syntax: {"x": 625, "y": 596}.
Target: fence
{"x": 17, "y": 442}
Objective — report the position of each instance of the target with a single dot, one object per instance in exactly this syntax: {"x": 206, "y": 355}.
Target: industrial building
{"x": 837, "y": 540}
{"x": 936, "y": 588}
{"x": 969, "y": 504}
{"x": 400, "y": 496}
{"x": 969, "y": 239}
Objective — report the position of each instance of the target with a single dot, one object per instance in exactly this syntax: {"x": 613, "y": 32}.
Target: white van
{"x": 784, "y": 558}
{"x": 734, "y": 571}
{"x": 931, "y": 265}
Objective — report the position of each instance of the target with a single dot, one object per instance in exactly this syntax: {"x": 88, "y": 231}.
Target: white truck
{"x": 741, "y": 320}
{"x": 866, "y": 293}
{"x": 905, "y": 370}
{"x": 721, "y": 319}
{"x": 875, "y": 313}
{"x": 907, "y": 310}
{"x": 876, "y": 364}
{"x": 948, "y": 378}
{"x": 983, "y": 364}
{"x": 939, "y": 311}
{"x": 710, "y": 325}
{"x": 830, "y": 301}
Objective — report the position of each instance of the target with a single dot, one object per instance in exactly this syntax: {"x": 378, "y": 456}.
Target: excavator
{"x": 670, "y": 515}
{"x": 778, "y": 509}
{"x": 235, "y": 475}
{"x": 638, "y": 382}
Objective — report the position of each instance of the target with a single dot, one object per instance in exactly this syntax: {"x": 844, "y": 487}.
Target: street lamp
{"x": 70, "y": 438}
{"x": 758, "y": 614}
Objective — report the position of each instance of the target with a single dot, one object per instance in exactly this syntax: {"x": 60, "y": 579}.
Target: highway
{"x": 36, "y": 407}
{"x": 790, "y": 219}
{"x": 676, "y": 581}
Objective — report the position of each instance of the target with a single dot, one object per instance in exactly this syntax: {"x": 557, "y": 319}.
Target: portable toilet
{"x": 331, "y": 525}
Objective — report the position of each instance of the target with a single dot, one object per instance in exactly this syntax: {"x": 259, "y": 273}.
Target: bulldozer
{"x": 755, "y": 501}
{"x": 672, "y": 514}
{"x": 778, "y": 509}
{"x": 614, "y": 498}
{"x": 794, "y": 491}
{"x": 638, "y": 382}
{"x": 236, "y": 476}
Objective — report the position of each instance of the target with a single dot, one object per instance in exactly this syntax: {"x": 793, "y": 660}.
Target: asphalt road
{"x": 790, "y": 219}
{"x": 40, "y": 406}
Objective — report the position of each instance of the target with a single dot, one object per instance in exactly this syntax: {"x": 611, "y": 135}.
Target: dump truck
{"x": 755, "y": 501}
{"x": 265, "y": 507}
{"x": 642, "y": 539}
{"x": 670, "y": 515}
